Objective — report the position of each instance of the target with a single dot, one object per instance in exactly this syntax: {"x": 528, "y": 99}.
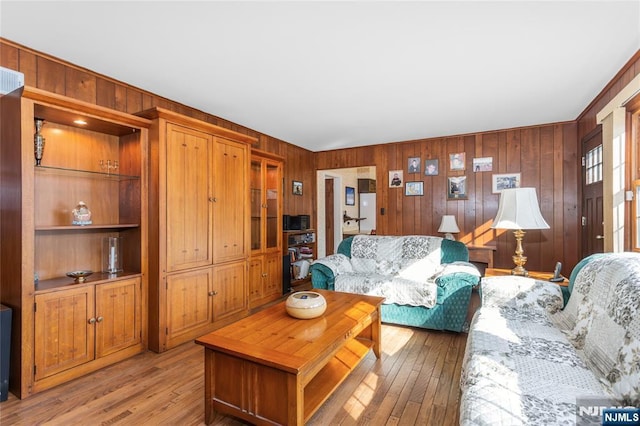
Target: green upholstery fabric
{"x": 454, "y": 292}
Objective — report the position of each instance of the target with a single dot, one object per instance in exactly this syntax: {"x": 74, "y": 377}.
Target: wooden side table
{"x": 543, "y": 276}
{"x": 481, "y": 254}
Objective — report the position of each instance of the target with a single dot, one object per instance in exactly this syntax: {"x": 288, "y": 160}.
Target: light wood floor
{"x": 415, "y": 383}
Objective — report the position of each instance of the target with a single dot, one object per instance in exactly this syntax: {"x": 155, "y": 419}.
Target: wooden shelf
{"x": 83, "y": 173}
{"x": 61, "y": 283}
{"x": 333, "y": 374}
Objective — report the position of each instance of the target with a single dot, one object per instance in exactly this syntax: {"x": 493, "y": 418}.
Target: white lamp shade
{"x": 519, "y": 209}
{"x": 448, "y": 224}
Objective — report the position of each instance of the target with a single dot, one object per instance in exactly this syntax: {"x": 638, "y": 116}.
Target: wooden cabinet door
{"x": 118, "y": 318}
{"x": 188, "y": 302}
{"x": 230, "y": 207}
{"x": 255, "y": 278}
{"x": 273, "y": 277}
{"x": 229, "y": 290}
{"x": 189, "y": 209}
{"x": 64, "y": 332}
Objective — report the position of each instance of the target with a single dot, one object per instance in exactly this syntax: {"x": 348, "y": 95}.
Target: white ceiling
{"x": 328, "y": 75}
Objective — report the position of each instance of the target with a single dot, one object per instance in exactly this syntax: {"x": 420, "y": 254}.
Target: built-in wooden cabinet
{"x": 62, "y": 329}
{"x": 265, "y": 267}
{"x": 94, "y": 320}
{"x": 199, "y": 222}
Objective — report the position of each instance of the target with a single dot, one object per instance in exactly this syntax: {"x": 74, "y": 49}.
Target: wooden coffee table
{"x": 273, "y": 368}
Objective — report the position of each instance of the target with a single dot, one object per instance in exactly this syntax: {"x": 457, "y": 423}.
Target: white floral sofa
{"x": 529, "y": 361}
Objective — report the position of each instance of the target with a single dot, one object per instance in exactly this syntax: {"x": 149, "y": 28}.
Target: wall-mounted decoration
{"x": 350, "y": 196}
{"x": 431, "y": 167}
{"x": 414, "y": 188}
{"x": 297, "y": 187}
{"x": 413, "y": 165}
{"x": 395, "y": 179}
{"x": 457, "y": 188}
{"x": 456, "y": 161}
{"x": 505, "y": 181}
{"x": 483, "y": 164}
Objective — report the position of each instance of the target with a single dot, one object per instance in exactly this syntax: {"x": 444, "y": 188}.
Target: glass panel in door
{"x": 256, "y": 204}
{"x": 272, "y": 218}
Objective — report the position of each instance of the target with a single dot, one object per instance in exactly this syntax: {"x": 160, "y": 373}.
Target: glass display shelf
{"x": 109, "y": 226}
{"x": 83, "y": 173}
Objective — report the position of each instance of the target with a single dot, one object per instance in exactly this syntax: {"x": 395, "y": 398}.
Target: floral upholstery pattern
{"x": 426, "y": 281}
{"x": 527, "y": 361}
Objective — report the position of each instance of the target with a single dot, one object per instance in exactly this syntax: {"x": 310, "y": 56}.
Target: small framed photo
{"x": 350, "y": 196}
{"x": 457, "y": 188}
{"x": 414, "y": 188}
{"x": 456, "y": 161}
{"x": 483, "y": 164}
{"x": 431, "y": 167}
{"x": 413, "y": 165}
{"x": 504, "y": 181}
{"x": 395, "y": 179}
{"x": 297, "y": 187}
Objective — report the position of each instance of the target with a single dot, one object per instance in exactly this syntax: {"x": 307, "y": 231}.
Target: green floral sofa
{"x": 531, "y": 361}
{"x": 426, "y": 281}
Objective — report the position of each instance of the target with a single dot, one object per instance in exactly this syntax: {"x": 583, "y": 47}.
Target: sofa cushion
{"x": 393, "y": 288}
{"x": 379, "y": 254}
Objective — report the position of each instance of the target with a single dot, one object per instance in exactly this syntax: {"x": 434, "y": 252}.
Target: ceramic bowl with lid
{"x": 306, "y": 304}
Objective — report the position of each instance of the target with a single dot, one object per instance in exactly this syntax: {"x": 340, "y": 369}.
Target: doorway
{"x": 592, "y": 193}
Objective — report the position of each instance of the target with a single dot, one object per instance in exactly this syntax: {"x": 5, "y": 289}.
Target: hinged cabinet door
{"x": 64, "y": 330}
{"x": 230, "y": 207}
{"x": 118, "y": 319}
{"x": 188, "y": 302}
{"x": 273, "y": 277}
{"x": 189, "y": 202}
{"x": 229, "y": 290}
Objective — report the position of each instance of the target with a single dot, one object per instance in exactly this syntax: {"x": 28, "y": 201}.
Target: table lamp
{"x": 519, "y": 210}
{"x": 449, "y": 226}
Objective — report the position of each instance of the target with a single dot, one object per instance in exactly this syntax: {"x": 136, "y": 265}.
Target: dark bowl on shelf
{"x": 79, "y": 276}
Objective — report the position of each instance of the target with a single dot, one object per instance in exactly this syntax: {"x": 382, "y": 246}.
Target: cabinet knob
{"x": 91, "y": 321}
{"x": 100, "y": 319}
{"x": 213, "y": 199}
{"x": 213, "y": 293}
{"x": 264, "y": 274}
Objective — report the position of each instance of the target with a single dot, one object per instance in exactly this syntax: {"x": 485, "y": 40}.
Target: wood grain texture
{"x": 415, "y": 382}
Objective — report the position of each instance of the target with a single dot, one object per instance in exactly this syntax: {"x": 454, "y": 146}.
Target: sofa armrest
{"x": 521, "y": 293}
{"x": 322, "y": 277}
{"x": 457, "y": 271}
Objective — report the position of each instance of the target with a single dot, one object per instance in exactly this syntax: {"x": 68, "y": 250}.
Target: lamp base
{"x": 449, "y": 236}
{"x": 518, "y": 257}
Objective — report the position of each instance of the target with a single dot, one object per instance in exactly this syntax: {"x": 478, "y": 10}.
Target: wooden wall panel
{"x": 545, "y": 155}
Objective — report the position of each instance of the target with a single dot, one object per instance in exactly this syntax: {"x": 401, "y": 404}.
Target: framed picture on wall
{"x": 483, "y": 164}
{"x": 350, "y": 196}
{"x": 414, "y": 188}
{"x": 431, "y": 167}
{"x": 504, "y": 181}
{"x": 297, "y": 187}
{"x": 457, "y": 188}
{"x": 395, "y": 179}
{"x": 413, "y": 165}
{"x": 456, "y": 161}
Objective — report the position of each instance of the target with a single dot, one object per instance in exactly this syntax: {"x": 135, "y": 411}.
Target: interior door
{"x": 328, "y": 216}
{"x": 592, "y": 198}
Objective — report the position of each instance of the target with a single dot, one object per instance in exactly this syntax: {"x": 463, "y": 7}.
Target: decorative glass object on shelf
{"x": 81, "y": 215}
{"x": 111, "y": 255}
{"x": 38, "y": 141}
